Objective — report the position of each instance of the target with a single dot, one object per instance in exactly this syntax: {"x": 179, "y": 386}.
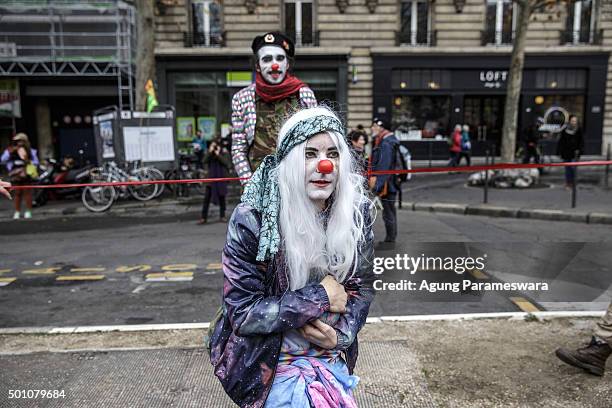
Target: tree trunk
{"x": 145, "y": 49}
{"x": 515, "y": 79}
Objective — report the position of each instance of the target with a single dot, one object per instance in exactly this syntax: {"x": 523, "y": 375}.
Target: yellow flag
{"x": 151, "y": 99}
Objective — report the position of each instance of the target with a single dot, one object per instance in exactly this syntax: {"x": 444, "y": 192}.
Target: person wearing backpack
{"x": 466, "y": 146}
{"x": 384, "y": 157}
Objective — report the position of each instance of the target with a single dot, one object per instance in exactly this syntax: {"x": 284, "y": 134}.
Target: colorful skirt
{"x": 312, "y": 382}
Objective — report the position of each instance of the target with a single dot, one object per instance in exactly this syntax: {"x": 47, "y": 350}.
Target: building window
{"x": 580, "y": 24}
{"x": 299, "y": 22}
{"x": 420, "y": 79}
{"x": 500, "y": 22}
{"x": 561, "y": 79}
{"x": 207, "y": 27}
{"x": 419, "y": 117}
{"x": 415, "y": 23}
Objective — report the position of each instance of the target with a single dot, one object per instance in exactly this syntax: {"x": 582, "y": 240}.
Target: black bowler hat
{"x": 274, "y": 38}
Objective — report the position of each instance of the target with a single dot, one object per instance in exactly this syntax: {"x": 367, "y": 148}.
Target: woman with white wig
{"x": 298, "y": 274}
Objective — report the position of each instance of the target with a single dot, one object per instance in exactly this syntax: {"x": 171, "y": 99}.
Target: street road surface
{"x": 158, "y": 267}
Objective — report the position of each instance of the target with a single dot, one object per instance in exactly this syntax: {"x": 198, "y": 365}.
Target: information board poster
{"x": 207, "y": 124}
{"x": 185, "y": 128}
{"x": 148, "y": 144}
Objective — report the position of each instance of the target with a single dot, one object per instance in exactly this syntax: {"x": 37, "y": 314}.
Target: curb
{"x": 369, "y": 320}
{"x": 510, "y": 212}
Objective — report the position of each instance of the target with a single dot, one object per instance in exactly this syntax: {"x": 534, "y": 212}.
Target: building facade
{"x": 60, "y": 61}
{"x": 422, "y": 65}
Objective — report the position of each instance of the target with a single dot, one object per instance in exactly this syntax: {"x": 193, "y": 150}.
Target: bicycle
{"x": 101, "y": 198}
{"x": 186, "y": 171}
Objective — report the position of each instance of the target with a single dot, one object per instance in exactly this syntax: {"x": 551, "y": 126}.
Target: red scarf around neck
{"x": 272, "y": 93}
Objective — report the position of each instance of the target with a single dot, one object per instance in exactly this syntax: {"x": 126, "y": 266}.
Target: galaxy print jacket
{"x": 258, "y": 307}
{"x": 244, "y": 119}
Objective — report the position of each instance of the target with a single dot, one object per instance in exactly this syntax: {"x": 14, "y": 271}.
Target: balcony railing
{"x": 304, "y": 39}
{"x": 204, "y": 39}
{"x": 488, "y": 37}
{"x": 420, "y": 38}
{"x": 581, "y": 37}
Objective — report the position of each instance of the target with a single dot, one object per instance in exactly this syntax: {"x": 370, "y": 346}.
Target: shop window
{"x": 580, "y": 23}
{"x": 500, "y": 22}
{"x": 561, "y": 79}
{"x": 415, "y": 23}
{"x": 422, "y": 79}
{"x": 323, "y": 83}
{"x": 573, "y": 104}
{"x": 299, "y": 22}
{"x": 207, "y": 26}
{"x": 204, "y": 98}
{"x": 420, "y": 116}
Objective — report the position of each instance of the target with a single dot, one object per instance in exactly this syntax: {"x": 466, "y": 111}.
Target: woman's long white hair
{"x": 311, "y": 250}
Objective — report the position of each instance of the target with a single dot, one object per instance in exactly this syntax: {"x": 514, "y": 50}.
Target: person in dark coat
{"x": 384, "y": 186}
{"x": 218, "y": 161}
{"x": 569, "y": 148}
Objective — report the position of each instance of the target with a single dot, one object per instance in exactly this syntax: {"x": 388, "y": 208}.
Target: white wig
{"x": 313, "y": 250}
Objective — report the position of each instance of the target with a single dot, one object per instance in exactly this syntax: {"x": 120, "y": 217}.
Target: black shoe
{"x": 591, "y": 358}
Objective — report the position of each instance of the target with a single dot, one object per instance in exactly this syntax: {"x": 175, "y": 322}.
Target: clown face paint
{"x": 319, "y": 186}
{"x": 273, "y": 64}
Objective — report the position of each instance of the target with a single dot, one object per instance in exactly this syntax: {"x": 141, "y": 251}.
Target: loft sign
{"x": 493, "y": 79}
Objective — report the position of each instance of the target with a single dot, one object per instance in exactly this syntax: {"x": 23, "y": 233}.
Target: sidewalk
{"x": 449, "y": 193}
{"x": 457, "y": 363}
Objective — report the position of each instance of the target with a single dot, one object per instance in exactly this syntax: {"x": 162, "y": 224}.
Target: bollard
{"x": 575, "y": 170}
{"x": 429, "y": 147}
{"x": 607, "y": 167}
{"x": 486, "y": 182}
{"x": 493, "y": 155}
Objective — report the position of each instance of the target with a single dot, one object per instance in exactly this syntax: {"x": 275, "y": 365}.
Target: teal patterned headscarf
{"x": 262, "y": 191}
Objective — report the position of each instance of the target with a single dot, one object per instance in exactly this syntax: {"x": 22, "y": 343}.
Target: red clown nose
{"x": 275, "y": 67}
{"x": 325, "y": 167}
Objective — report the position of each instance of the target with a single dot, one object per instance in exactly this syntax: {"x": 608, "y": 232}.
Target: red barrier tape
{"x": 500, "y": 166}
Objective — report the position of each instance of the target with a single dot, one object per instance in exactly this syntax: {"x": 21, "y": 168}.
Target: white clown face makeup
{"x": 273, "y": 64}
{"x": 320, "y": 186}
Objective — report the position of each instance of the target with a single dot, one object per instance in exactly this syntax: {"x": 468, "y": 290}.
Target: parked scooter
{"x": 60, "y": 173}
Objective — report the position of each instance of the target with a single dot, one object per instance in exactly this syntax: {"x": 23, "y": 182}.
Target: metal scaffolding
{"x": 68, "y": 38}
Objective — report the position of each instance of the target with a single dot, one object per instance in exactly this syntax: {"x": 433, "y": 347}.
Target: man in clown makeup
{"x": 298, "y": 278}
{"x": 259, "y": 109}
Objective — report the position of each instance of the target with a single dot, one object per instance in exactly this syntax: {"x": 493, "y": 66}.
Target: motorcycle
{"x": 60, "y": 173}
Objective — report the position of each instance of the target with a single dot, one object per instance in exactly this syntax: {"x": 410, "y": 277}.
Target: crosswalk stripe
{"x": 214, "y": 266}
{"x": 169, "y": 276}
{"x": 524, "y": 304}
{"x": 6, "y": 281}
{"x": 87, "y": 269}
{"x": 478, "y": 274}
{"x": 79, "y": 277}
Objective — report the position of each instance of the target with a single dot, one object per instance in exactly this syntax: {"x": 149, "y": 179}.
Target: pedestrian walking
{"x": 455, "y": 146}
{"x": 21, "y": 161}
{"x": 569, "y": 148}
{"x": 384, "y": 156}
{"x": 287, "y": 332}
{"x": 218, "y": 161}
{"x": 593, "y": 357}
{"x": 466, "y": 146}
